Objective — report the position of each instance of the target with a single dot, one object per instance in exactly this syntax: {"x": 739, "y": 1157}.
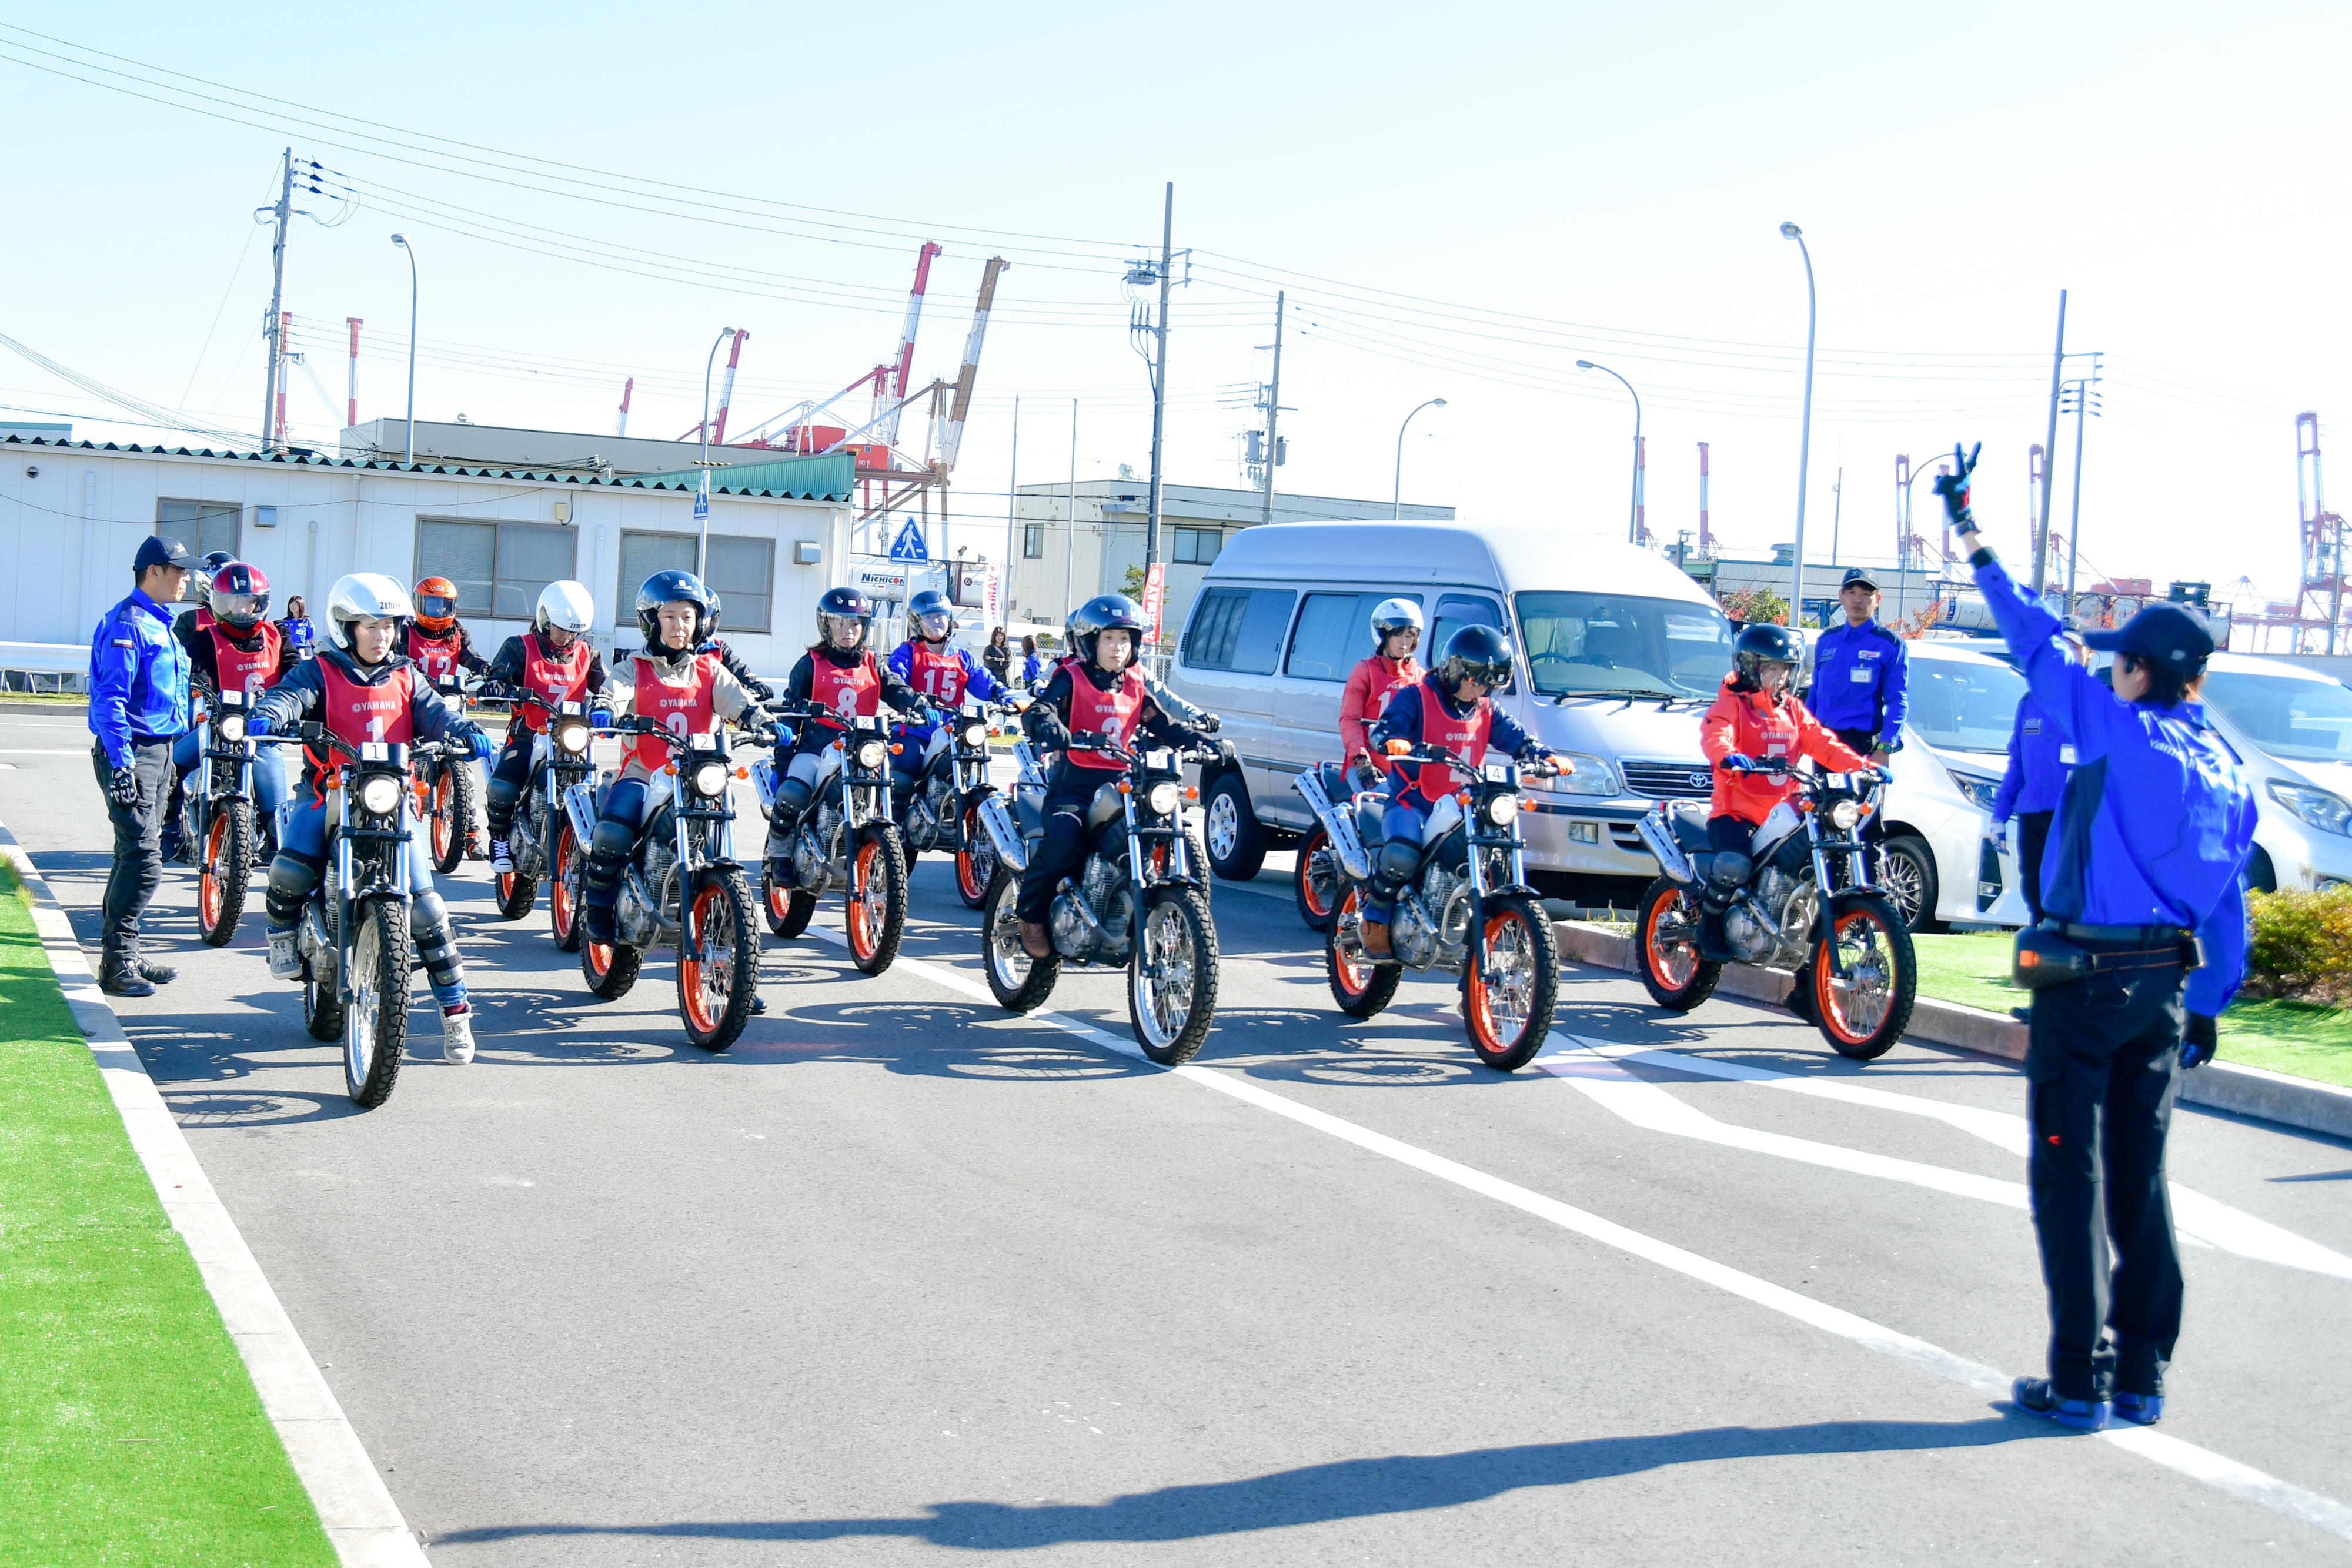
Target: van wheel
{"x": 2259, "y": 874}
{"x": 1909, "y": 879}
{"x": 1236, "y": 843}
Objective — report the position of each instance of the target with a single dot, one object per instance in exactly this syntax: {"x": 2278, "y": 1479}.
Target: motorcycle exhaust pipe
{"x": 1338, "y": 826}
{"x": 1012, "y": 850}
{"x": 1660, "y": 840}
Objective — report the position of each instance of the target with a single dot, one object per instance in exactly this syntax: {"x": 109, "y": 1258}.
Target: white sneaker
{"x": 457, "y": 1037}
{"x": 285, "y": 957}
{"x": 501, "y": 862}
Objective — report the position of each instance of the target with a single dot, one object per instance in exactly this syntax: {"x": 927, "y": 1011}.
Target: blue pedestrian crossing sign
{"x": 909, "y": 545}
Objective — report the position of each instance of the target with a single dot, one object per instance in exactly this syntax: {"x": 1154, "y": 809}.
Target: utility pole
{"x": 2049, "y": 445}
{"x": 1837, "y": 511}
{"x": 283, "y": 213}
{"x": 1902, "y": 532}
{"x": 1070, "y": 545}
{"x": 1011, "y": 496}
{"x": 2085, "y": 393}
{"x": 1273, "y": 412}
{"x": 1159, "y": 384}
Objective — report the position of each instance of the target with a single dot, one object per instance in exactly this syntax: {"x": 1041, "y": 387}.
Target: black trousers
{"x": 138, "y": 847}
{"x": 1062, "y": 850}
{"x": 2102, "y": 1064}
{"x": 508, "y": 775}
{"x": 1873, "y": 826}
{"x": 2032, "y": 837}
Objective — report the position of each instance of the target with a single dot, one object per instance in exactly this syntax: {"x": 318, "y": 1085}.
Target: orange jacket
{"x": 1371, "y": 685}
{"x": 1748, "y": 723}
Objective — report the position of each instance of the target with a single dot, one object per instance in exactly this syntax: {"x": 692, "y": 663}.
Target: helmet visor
{"x": 240, "y": 609}
{"x": 436, "y": 607}
{"x": 933, "y": 624}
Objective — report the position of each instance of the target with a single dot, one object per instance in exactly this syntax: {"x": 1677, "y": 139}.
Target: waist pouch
{"x": 2044, "y": 957}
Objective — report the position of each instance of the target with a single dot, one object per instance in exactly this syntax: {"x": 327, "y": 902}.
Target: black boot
{"x": 119, "y": 976}
{"x": 1714, "y": 946}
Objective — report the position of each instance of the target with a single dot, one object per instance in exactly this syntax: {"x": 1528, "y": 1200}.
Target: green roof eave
{"x": 825, "y": 479}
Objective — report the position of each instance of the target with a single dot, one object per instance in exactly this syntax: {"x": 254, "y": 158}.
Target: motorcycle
{"x": 1467, "y": 908}
{"x": 446, "y": 794}
{"x": 230, "y": 836}
{"x": 541, "y": 842}
{"x": 1137, "y": 901}
{"x": 1857, "y": 973}
{"x": 845, "y": 838}
{"x": 682, "y": 886}
{"x": 353, "y": 932}
{"x": 1314, "y": 880}
{"x": 941, "y": 813}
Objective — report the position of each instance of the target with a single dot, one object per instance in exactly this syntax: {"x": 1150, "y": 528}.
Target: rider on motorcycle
{"x": 550, "y": 665}
{"x": 1756, "y": 717}
{"x": 840, "y": 675}
{"x": 363, "y": 689}
{"x": 1377, "y": 677}
{"x": 437, "y": 641}
{"x": 1449, "y": 708}
{"x": 937, "y": 672}
{"x": 676, "y": 684}
{"x": 200, "y": 582}
{"x": 1098, "y": 689}
{"x": 242, "y": 648}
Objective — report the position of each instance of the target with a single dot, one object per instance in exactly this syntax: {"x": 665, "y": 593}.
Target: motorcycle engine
{"x": 633, "y": 913}
{"x": 661, "y": 870}
{"x": 1073, "y": 937}
{"x": 522, "y": 839}
{"x": 1412, "y": 932}
{"x": 809, "y": 867}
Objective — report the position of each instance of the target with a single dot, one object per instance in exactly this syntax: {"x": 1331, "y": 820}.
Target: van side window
{"x": 1239, "y": 629}
{"x": 1455, "y": 610}
{"x": 1334, "y": 631}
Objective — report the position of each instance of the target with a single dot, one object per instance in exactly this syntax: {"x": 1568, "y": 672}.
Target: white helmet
{"x": 565, "y": 604}
{"x": 1393, "y": 616}
{"x": 364, "y": 596}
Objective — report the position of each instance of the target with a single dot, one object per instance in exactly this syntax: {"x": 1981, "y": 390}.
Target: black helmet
{"x": 1762, "y": 643}
{"x": 843, "y": 604}
{"x": 676, "y": 588}
{"x": 1480, "y": 652}
{"x": 922, "y": 607}
{"x": 1103, "y": 612}
{"x": 213, "y": 560}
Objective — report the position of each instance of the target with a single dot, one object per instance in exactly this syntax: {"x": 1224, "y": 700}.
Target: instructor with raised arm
{"x": 2142, "y": 943}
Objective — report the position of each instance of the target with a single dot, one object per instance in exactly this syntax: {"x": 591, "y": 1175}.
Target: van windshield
{"x": 2300, "y": 719}
{"x": 1615, "y": 645}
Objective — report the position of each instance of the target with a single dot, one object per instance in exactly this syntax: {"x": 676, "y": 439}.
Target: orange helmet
{"x": 437, "y": 604}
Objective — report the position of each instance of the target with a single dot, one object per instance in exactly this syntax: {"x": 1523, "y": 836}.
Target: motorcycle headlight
{"x": 975, "y": 734}
{"x": 870, "y": 754}
{"x": 232, "y": 727}
{"x": 379, "y": 795}
{"x": 573, "y": 738}
{"x": 1503, "y": 810}
{"x": 711, "y": 779}
{"x": 1844, "y": 815}
{"x": 1593, "y": 776}
{"x": 1163, "y": 796}
{"x": 2330, "y": 813}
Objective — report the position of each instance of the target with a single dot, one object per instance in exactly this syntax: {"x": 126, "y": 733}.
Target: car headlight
{"x": 870, "y": 754}
{"x": 1844, "y": 815}
{"x": 711, "y": 779}
{"x": 573, "y": 738}
{"x": 1503, "y": 810}
{"x": 1593, "y": 776}
{"x": 2323, "y": 809}
{"x": 975, "y": 734}
{"x": 1978, "y": 792}
{"x": 232, "y": 727}
{"x": 379, "y": 795}
{"x": 1163, "y": 796}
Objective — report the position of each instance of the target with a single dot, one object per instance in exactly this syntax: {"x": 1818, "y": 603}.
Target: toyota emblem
{"x": 1700, "y": 781}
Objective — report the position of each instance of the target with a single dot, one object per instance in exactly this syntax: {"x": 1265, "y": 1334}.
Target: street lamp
{"x": 702, "y": 493}
{"x": 411, "y": 421}
{"x": 1634, "y": 504}
{"x": 1805, "y": 432}
{"x": 1396, "y": 500}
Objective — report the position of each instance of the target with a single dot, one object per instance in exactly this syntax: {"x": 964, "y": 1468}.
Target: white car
{"x": 2293, "y": 732}
{"x": 1942, "y": 863}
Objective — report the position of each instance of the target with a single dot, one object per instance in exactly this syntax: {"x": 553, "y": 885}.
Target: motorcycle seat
{"x": 1371, "y": 806}
{"x": 1687, "y": 819}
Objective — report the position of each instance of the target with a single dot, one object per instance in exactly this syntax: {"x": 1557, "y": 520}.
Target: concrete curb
{"x": 2222, "y": 1086}
{"x": 356, "y": 1510}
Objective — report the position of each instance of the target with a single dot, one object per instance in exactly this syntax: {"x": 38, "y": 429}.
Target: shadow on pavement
{"x": 1316, "y": 1494}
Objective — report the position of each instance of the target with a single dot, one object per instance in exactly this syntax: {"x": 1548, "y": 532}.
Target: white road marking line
{"x": 2198, "y": 1218}
{"x": 27, "y": 751}
{"x": 2222, "y": 1474}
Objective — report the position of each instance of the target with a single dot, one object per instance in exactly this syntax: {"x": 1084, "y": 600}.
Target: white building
{"x": 72, "y": 515}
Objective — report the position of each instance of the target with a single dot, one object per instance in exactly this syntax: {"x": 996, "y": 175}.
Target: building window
{"x": 499, "y": 567}
{"x": 642, "y": 555}
{"x": 203, "y": 525}
{"x": 743, "y": 571}
{"x": 1198, "y": 546}
{"x": 1033, "y": 540}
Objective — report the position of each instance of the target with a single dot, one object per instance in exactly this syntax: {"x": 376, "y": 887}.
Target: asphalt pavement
{"x": 902, "y": 1276}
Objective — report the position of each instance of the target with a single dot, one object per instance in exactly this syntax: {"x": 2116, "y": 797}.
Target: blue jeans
{"x": 618, "y": 824}
{"x": 269, "y": 768}
{"x": 301, "y": 854}
{"x": 1399, "y": 824}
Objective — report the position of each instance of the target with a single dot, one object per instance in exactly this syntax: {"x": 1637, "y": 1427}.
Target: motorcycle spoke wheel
{"x": 1865, "y": 1012}
{"x": 1508, "y": 1016}
{"x": 445, "y": 817}
{"x": 1017, "y": 981}
{"x": 976, "y": 859}
{"x": 1172, "y": 988}
{"x": 376, "y": 1017}
{"x": 610, "y": 970}
{"x": 717, "y": 962}
{"x": 1315, "y": 881}
{"x": 877, "y": 902}
{"x": 1362, "y": 988}
{"x": 1666, "y": 935}
{"x": 226, "y": 871}
{"x": 563, "y": 891}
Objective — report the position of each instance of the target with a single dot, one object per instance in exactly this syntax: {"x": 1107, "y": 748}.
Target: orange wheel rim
{"x": 442, "y": 827}
{"x": 693, "y": 973}
{"x": 600, "y": 958}
{"x": 506, "y": 880}
{"x": 1481, "y": 1004}
{"x": 1830, "y": 1006}
{"x": 208, "y": 888}
{"x": 779, "y": 903}
{"x": 1354, "y": 978}
{"x": 861, "y": 928}
{"x": 1312, "y": 895}
{"x": 559, "y": 891}
{"x": 968, "y": 867}
{"x": 1671, "y": 970}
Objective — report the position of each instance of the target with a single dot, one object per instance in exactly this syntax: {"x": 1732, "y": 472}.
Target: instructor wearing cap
{"x": 137, "y": 706}
{"x": 2142, "y": 941}
{"x": 1861, "y": 684}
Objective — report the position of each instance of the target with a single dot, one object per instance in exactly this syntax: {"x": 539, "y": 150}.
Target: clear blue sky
{"x": 1471, "y": 200}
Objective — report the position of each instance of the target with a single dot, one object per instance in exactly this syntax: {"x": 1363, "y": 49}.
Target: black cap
{"x": 1855, "y": 574}
{"x": 157, "y": 550}
{"x": 2176, "y": 636}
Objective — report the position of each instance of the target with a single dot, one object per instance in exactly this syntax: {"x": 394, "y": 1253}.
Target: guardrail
{"x": 44, "y": 666}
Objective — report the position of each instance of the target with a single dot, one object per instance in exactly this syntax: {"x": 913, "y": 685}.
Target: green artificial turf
{"x": 129, "y": 1432}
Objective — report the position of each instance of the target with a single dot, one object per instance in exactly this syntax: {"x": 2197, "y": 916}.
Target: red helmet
{"x": 437, "y": 604}
{"x": 239, "y": 595}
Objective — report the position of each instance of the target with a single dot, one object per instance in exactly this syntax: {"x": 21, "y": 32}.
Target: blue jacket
{"x": 977, "y": 683}
{"x": 1400, "y": 720}
{"x": 1861, "y": 680}
{"x": 138, "y": 677}
{"x": 2154, "y": 822}
{"x": 2039, "y": 761}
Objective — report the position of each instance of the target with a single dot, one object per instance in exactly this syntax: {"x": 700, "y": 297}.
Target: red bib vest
{"x": 1464, "y": 737}
{"x": 684, "y": 709}
{"x": 1113, "y": 714}
{"x": 436, "y": 656}
{"x": 240, "y": 671}
{"x": 550, "y": 678}
{"x": 354, "y": 713}
{"x": 856, "y": 690}
{"x": 937, "y": 672}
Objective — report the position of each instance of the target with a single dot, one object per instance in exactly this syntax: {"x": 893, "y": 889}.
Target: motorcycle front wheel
{"x": 788, "y": 908}
{"x": 877, "y": 901}
{"x": 1866, "y": 1011}
{"x": 453, "y": 816}
{"x": 717, "y": 961}
{"x": 1017, "y": 981}
{"x": 223, "y": 870}
{"x": 1313, "y": 884}
{"x": 976, "y": 859}
{"x": 375, "y": 1020}
{"x": 1360, "y": 987}
{"x": 563, "y": 890}
{"x": 1508, "y": 1017}
{"x": 1665, "y": 944}
{"x": 1172, "y": 976}
{"x": 610, "y": 970}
